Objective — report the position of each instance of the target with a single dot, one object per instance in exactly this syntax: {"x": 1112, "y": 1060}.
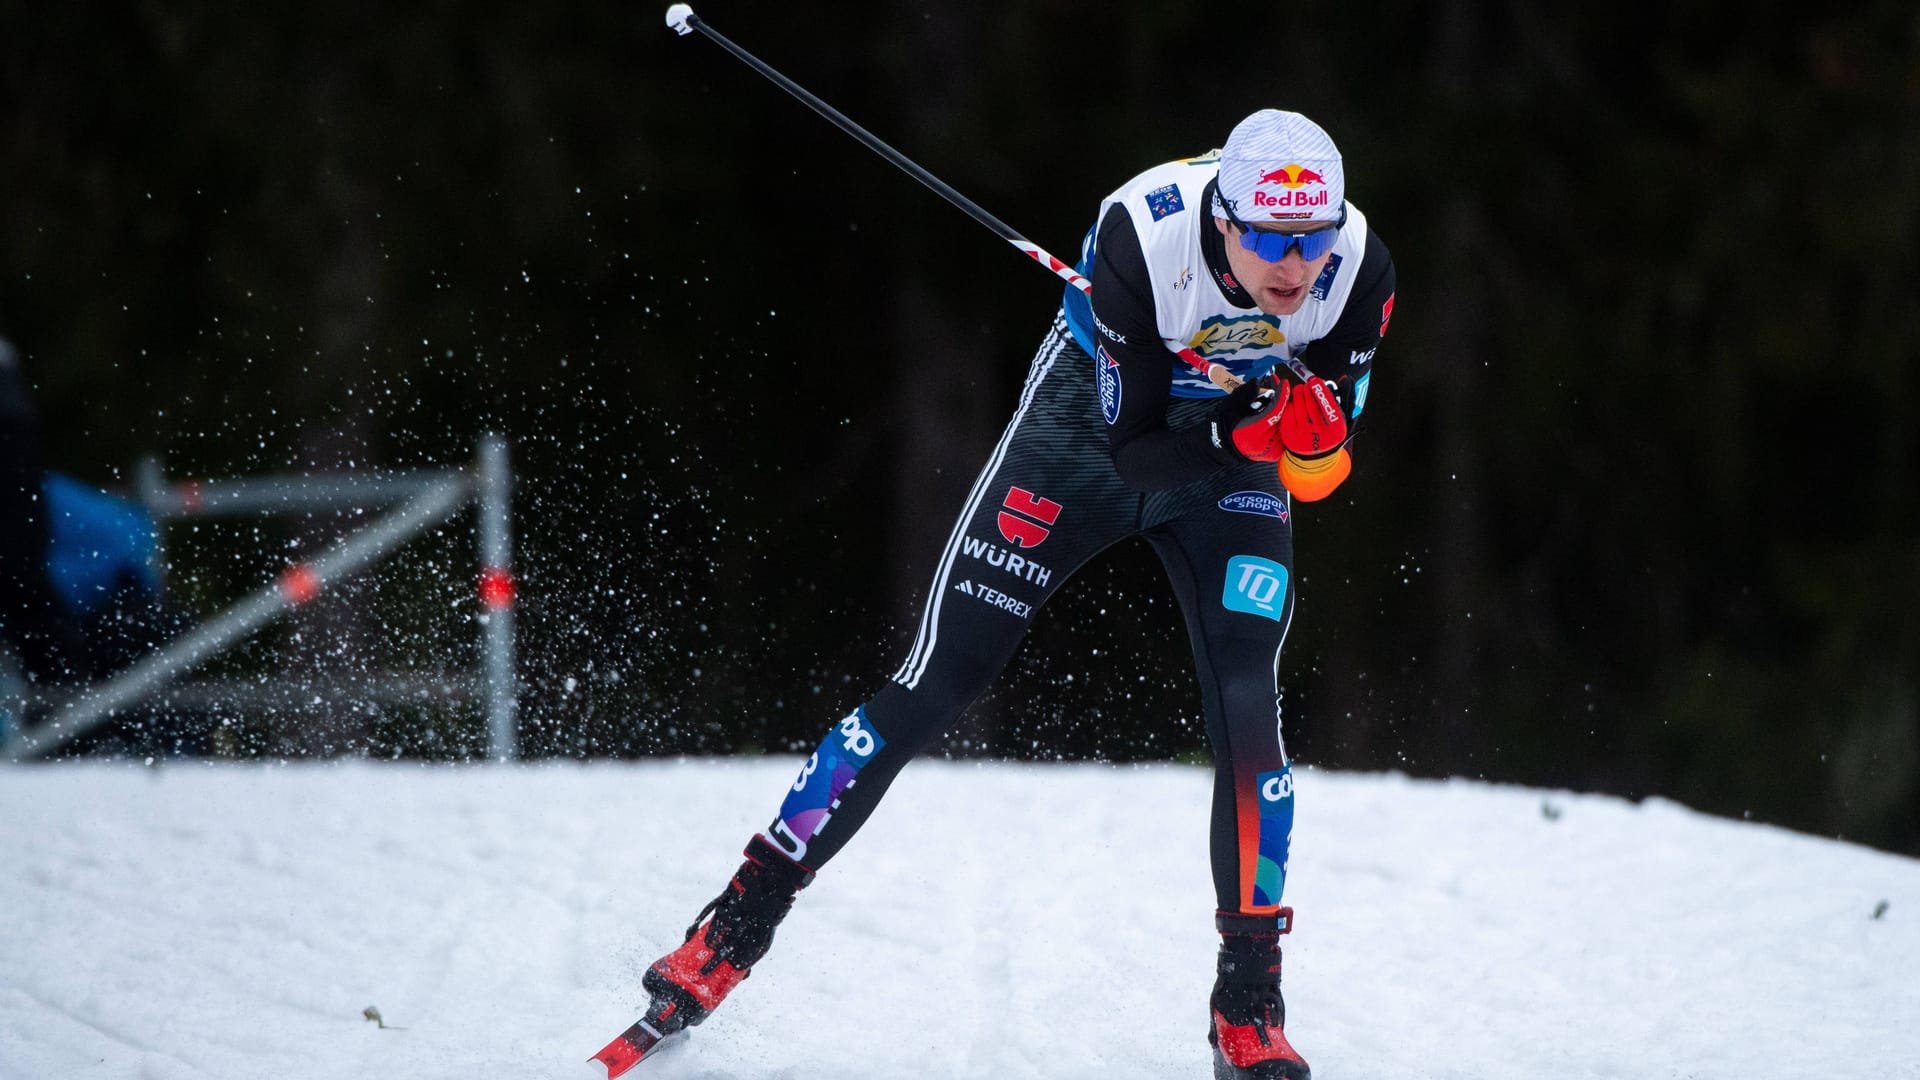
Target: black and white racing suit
{"x": 1110, "y": 439}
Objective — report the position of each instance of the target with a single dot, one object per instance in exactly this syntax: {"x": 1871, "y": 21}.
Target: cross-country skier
{"x": 1247, "y": 258}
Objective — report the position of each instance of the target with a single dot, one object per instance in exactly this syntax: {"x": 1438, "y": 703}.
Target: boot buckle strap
{"x": 1232, "y": 922}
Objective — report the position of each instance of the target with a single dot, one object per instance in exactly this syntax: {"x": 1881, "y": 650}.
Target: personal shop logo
{"x": 1258, "y": 503}
{"x": 1107, "y": 376}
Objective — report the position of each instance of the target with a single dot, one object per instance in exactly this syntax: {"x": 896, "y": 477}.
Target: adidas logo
{"x": 996, "y": 598}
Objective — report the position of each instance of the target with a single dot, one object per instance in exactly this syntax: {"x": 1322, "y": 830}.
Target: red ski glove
{"x": 1248, "y": 421}
{"x": 1312, "y": 424}
{"x": 1313, "y": 432}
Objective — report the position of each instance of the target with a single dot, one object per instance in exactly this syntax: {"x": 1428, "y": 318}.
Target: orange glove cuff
{"x": 1313, "y": 479}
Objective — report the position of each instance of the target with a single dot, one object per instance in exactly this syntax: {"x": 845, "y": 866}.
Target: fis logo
{"x": 1107, "y": 375}
{"x": 1256, "y": 586}
{"x": 1184, "y": 279}
{"x": 1024, "y": 516}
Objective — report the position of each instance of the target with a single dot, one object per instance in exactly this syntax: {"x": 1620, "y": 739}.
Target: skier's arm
{"x": 1148, "y": 456}
{"x": 1344, "y": 357}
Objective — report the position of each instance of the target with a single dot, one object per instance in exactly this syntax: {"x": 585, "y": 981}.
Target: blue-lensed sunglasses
{"x": 1273, "y": 246}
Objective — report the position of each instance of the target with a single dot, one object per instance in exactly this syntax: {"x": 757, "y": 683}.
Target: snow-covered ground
{"x": 991, "y": 921}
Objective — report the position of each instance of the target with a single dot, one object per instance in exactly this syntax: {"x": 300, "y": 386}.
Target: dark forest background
{"x": 1636, "y": 509}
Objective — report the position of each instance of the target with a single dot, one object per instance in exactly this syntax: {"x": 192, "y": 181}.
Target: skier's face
{"x": 1277, "y": 288}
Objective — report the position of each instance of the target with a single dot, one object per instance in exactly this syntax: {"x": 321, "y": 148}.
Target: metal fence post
{"x": 150, "y": 484}
{"x": 497, "y": 595}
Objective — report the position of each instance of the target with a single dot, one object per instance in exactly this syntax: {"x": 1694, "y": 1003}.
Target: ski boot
{"x": 1249, "y": 1016}
{"x": 687, "y": 984}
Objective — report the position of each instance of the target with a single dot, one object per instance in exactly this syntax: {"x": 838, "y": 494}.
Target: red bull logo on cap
{"x": 1293, "y": 176}
{"x": 1297, "y": 200}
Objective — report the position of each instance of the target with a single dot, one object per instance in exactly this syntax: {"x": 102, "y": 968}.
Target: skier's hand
{"x": 1312, "y": 425}
{"x": 1248, "y": 421}
{"x": 1313, "y": 436}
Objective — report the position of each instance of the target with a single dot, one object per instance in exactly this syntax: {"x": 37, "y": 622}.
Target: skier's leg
{"x": 1231, "y": 564}
{"x": 1233, "y": 573}
{"x": 1046, "y": 501}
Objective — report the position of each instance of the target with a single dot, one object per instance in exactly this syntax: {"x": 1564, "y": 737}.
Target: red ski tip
{"x": 626, "y": 1050}
{"x": 619, "y": 1056}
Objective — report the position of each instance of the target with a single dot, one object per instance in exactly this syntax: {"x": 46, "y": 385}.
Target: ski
{"x": 648, "y": 1034}
{"x": 630, "y": 1046}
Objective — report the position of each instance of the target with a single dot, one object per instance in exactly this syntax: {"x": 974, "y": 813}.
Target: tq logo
{"x": 1256, "y": 586}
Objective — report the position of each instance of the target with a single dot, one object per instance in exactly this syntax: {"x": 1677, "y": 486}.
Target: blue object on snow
{"x": 99, "y": 543}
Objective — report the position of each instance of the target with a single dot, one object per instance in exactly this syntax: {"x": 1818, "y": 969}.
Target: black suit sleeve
{"x": 1148, "y": 456}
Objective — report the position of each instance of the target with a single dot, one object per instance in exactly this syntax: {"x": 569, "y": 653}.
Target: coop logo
{"x": 1275, "y": 835}
{"x": 815, "y": 794}
{"x": 1275, "y": 787}
{"x": 1256, "y": 586}
{"x": 1024, "y": 517}
{"x": 1258, "y": 503}
{"x": 1296, "y": 179}
{"x": 1000, "y": 558}
{"x": 1222, "y": 334}
{"x": 1107, "y": 374}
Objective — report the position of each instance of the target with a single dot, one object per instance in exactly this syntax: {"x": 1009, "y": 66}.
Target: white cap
{"x": 1280, "y": 166}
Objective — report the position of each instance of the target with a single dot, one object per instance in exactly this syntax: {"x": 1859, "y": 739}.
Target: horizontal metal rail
{"x": 285, "y": 494}
{"x": 295, "y": 586}
{"x": 289, "y": 694}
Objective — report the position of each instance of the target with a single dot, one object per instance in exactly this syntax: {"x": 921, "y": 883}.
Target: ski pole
{"x": 683, "y": 21}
